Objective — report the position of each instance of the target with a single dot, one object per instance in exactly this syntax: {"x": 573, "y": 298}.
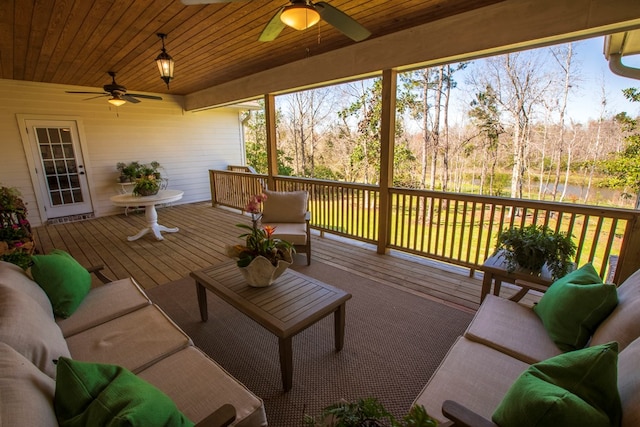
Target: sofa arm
{"x": 97, "y": 270}
{"x": 221, "y": 417}
{"x": 464, "y": 417}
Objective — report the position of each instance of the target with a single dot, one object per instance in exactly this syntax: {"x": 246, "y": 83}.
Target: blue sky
{"x": 584, "y": 102}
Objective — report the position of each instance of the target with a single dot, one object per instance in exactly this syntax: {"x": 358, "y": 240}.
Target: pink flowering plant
{"x": 259, "y": 240}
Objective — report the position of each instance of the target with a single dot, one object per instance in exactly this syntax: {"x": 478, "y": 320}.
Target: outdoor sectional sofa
{"x": 506, "y": 338}
{"x": 114, "y": 324}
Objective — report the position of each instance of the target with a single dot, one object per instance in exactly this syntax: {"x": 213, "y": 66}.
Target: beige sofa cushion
{"x": 512, "y": 329}
{"x": 629, "y": 383}
{"x": 281, "y": 206}
{"x": 31, "y": 331}
{"x": 104, "y": 303}
{"x": 198, "y": 386}
{"x": 472, "y": 374}
{"x": 134, "y": 341}
{"x": 26, "y": 392}
{"x": 14, "y": 277}
{"x": 623, "y": 324}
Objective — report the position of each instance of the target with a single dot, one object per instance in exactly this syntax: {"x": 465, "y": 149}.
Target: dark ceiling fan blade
{"x": 130, "y": 98}
{"x": 94, "y": 97}
{"x": 273, "y": 28}
{"x": 342, "y": 22}
{"x": 139, "y": 95}
{"x": 88, "y": 93}
{"x": 190, "y": 2}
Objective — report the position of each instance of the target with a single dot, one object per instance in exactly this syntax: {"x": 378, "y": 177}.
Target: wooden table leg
{"x": 338, "y": 317}
{"x": 286, "y": 362}
{"x": 497, "y": 286}
{"x": 202, "y": 301}
{"x": 486, "y": 285}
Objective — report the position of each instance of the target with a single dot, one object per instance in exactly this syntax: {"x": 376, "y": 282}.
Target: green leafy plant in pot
{"x": 148, "y": 179}
{"x": 368, "y": 412}
{"x": 533, "y": 246}
{"x": 146, "y": 186}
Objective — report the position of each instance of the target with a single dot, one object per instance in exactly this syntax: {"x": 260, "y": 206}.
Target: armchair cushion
{"x": 578, "y": 388}
{"x": 284, "y": 206}
{"x": 293, "y": 233}
{"x": 27, "y": 392}
{"x": 65, "y": 281}
{"x": 93, "y": 394}
{"x": 31, "y": 331}
{"x": 574, "y": 306}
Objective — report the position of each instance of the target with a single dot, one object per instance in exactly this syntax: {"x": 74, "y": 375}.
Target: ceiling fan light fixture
{"x": 116, "y": 100}
{"x": 300, "y": 16}
{"x": 165, "y": 63}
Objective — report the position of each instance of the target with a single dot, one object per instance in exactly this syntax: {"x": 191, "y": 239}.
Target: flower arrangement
{"x": 16, "y": 240}
{"x": 259, "y": 240}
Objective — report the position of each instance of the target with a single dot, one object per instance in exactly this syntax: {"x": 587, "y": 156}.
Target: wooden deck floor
{"x": 204, "y": 233}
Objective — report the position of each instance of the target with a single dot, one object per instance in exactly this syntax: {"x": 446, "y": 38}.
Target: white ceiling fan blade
{"x": 342, "y": 22}
{"x": 273, "y": 28}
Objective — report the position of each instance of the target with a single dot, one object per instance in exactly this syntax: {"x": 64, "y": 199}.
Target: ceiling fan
{"x": 302, "y": 14}
{"x": 118, "y": 93}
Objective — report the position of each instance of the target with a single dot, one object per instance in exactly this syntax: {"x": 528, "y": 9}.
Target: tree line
{"x": 516, "y": 137}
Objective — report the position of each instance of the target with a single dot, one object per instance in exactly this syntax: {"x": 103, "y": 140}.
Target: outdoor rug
{"x": 394, "y": 341}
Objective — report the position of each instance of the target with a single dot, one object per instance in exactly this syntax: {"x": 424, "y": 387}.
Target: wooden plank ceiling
{"x": 75, "y": 42}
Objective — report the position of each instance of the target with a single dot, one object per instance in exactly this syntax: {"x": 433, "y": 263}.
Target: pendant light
{"x": 300, "y": 16}
{"x": 165, "y": 63}
{"x": 116, "y": 100}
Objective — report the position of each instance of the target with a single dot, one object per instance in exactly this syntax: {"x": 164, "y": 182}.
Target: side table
{"x": 151, "y": 215}
{"x": 495, "y": 271}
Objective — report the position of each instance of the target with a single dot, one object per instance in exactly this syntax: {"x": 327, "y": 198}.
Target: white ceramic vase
{"x": 261, "y": 273}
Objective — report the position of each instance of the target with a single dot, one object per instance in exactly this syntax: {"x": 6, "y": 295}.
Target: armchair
{"x": 287, "y": 212}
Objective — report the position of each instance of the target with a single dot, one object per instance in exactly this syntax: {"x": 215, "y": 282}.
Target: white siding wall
{"x": 187, "y": 144}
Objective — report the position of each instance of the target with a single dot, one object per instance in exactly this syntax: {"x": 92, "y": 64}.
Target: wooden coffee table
{"x": 290, "y": 305}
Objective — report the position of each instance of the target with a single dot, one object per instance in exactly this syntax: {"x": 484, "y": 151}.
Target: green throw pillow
{"x": 579, "y": 388}
{"x": 63, "y": 279}
{"x": 574, "y": 306}
{"x": 94, "y": 394}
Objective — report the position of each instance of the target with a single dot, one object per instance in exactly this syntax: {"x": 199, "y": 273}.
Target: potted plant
{"x": 132, "y": 171}
{"x": 148, "y": 185}
{"x": 128, "y": 172}
{"x": 368, "y": 413}
{"x": 263, "y": 258}
{"x": 16, "y": 239}
{"x": 533, "y": 246}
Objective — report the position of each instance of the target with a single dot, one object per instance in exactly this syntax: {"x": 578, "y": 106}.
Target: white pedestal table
{"x": 150, "y": 213}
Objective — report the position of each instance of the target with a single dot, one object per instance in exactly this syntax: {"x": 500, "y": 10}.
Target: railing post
{"x": 629, "y": 260}
{"x": 272, "y": 143}
{"x": 387, "y": 140}
{"x": 212, "y": 183}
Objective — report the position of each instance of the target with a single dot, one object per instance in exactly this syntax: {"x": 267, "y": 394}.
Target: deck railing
{"x": 461, "y": 229}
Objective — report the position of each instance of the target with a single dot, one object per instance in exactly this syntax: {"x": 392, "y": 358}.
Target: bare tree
{"x": 563, "y": 55}
{"x": 520, "y": 86}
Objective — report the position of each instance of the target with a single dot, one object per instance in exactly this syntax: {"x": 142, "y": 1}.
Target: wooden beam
{"x": 272, "y": 142}
{"x": 503, "y": 27}
{"x": 387, "y": 144}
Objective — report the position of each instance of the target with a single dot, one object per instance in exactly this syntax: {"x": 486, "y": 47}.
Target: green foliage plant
{"x": 368, "y": 412}
{"x": 622, "y": 169}
{"x": 146, "y": 186}
{"x": 133, "y": 171}
{"x": 532, "y": 246}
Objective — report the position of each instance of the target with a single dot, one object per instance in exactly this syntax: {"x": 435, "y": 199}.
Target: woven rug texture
{"x": 394, "y": 341}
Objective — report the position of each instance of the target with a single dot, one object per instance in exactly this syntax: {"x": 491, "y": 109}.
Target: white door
{"x": 55, "y": 146}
